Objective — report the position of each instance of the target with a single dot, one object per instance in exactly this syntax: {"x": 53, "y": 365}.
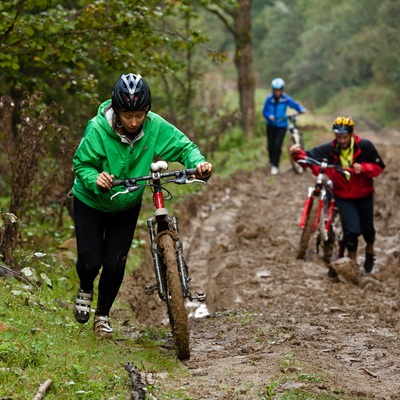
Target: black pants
{"x": 275, "y": 137}
{"x": 103, "y": 241}
{"x": 357, "y": 219}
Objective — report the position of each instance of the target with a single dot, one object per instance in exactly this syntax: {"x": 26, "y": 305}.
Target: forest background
{"x": 209, "y": 64}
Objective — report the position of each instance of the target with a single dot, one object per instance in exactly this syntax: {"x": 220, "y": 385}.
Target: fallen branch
{"x": 369, "y": 372}
{"x": 17, "y": 275}
{"x": 138, "y": 392}
{"x": 43, "y": 389}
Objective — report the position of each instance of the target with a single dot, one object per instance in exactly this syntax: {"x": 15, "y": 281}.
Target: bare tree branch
{"x": 43, "y": 389}
{"x": 224, "y": 20}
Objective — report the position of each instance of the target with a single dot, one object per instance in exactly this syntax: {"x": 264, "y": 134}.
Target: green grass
{"x": 41, "y": 340}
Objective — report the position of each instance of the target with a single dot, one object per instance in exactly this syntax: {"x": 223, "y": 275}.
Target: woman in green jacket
{"x": 121, "y": 141}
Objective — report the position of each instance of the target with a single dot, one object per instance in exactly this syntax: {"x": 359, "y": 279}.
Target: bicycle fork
{"x": 319, "y": 196}
{"x": 158, "y": 264}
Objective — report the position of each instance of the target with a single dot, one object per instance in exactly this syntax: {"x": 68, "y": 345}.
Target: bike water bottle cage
{"x": 342, "y": 125}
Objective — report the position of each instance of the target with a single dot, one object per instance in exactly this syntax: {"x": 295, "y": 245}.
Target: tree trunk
{"x": 240, "y": 27}
{"x": 244, "y": 65}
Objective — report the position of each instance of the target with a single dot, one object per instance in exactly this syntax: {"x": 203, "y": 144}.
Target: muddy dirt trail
{"x": 275, "y": 323}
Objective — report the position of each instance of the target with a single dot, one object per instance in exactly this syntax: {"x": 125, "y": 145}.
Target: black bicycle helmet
{"x": 131, "y": 93}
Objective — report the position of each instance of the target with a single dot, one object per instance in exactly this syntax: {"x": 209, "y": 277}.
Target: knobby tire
{"x": 308, "y": 228}
{"x": 177, "y": 314}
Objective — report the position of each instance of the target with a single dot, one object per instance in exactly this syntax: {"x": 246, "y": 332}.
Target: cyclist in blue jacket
{"x": 274, "y": 113}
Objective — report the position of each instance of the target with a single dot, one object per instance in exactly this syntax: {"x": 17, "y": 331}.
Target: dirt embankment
{"x": 274, "y": 319}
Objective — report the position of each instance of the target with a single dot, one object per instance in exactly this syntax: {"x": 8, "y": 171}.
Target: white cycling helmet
{"x": 278, "y": 84}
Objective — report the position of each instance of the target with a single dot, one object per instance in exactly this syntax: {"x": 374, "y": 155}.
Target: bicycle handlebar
{"x": 180, "y": 178}
{"x": 291, "y": 117}
{"x": 324, "y": 164}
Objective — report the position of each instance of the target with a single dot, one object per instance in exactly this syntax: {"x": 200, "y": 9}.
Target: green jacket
{"x": 101, "y": 149}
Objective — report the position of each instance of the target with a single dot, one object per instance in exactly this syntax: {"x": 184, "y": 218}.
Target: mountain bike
{"x": 170, "y": 268}
{"x": 295, "y": 138}
{"x": 320, "y": 214}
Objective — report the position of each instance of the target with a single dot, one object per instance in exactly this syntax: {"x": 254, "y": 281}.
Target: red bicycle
{"x": 320, "y": 214}
{"x": 170, "y": 268}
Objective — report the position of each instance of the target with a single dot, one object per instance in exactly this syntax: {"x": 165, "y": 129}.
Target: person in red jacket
{"x": 353, "y": 194}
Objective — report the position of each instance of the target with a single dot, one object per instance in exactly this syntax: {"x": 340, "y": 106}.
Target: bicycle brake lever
{"x": 183, "y": 179}
{"x": 118, "y": 193}
{"x": 195, "y": 180}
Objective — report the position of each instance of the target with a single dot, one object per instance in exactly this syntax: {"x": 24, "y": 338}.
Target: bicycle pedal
{"x": 201, "y": 297}
{"x": 150, "y": 289}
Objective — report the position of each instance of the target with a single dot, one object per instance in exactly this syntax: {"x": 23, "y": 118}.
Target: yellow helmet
{"x": 343, "y": 125}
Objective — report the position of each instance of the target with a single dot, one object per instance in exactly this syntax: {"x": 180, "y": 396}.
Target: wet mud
{"x": 271, "y": 319}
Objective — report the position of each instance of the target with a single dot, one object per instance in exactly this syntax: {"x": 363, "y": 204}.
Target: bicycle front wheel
{"x": 177, "y": 314}
{"x": 308, "y": 227}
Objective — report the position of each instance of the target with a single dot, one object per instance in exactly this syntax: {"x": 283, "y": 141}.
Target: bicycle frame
{"x": 320, "y": 201}
{"x": 163, "y": 222}
{"x": 296, "y": 138}
{"x": 318, "y": 191}
{"x": 294, "y": 130}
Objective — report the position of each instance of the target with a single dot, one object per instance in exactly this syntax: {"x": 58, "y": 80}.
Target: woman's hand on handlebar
{"x": 104, "y": 181}
{"x": 204, "y": 169}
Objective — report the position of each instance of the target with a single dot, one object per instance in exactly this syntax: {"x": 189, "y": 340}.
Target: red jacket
{"x": 360, "y": 185}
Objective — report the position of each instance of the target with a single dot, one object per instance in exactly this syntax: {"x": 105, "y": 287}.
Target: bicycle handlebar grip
{"x": 118, "y": 182}
{"x": 192, "y": 171}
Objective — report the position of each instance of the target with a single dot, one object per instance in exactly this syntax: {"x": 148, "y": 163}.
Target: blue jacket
{"x": 278, "y": 109}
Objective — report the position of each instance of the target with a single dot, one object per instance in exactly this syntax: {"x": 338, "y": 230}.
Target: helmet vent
{"x": 131, "y": 84}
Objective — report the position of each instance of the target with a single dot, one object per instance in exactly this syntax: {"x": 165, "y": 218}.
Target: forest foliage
{"x": 322, "y": 47}
{"x": 73, "y": 51}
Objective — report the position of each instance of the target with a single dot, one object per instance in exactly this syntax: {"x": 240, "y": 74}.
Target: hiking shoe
{"x": 369, "y": 262}
{"x": 274, "y": 170}
{"x": 83, "y": 301}
{"x": 102, "y": 325}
